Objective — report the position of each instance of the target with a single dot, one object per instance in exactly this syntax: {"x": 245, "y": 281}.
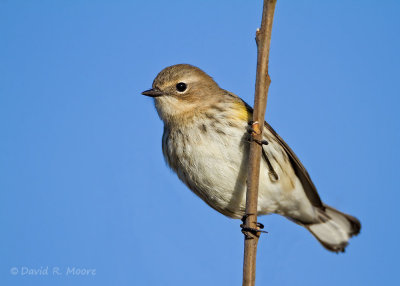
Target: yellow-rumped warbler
{"x": 205, "y": 142}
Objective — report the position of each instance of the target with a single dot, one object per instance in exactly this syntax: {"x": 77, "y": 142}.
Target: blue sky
{"x": 82, "y": 179}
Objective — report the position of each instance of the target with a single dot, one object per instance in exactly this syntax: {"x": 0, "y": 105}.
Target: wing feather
{"x": 299, "y": 169}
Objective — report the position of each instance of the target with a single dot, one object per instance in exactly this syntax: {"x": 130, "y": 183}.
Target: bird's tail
{"x": 334, "y": 228}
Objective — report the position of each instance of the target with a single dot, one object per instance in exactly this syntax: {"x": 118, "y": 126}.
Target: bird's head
{"x": 182, "y": 90}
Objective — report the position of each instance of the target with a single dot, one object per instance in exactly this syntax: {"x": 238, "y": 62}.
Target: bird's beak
{"x": 152, "y": 92}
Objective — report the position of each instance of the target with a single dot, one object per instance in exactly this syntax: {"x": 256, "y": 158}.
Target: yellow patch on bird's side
{"x": 241, "y": 112}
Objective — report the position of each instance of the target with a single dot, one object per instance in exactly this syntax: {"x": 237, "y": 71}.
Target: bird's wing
{"x": 300, "y": 171}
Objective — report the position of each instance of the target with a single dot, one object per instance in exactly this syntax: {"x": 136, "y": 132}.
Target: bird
{"x": 206, "y": 143}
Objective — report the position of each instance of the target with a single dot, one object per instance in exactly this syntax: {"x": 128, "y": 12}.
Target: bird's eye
{"x": 181, "y": 87}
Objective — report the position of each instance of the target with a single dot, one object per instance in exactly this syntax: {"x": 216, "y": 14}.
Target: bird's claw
{"x": 250, "y": 230}
{"x": 259, "y": 142}
{"x": 251, "y": 131}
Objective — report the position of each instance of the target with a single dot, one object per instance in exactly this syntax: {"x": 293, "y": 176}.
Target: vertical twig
{"x": 263, "y": 39}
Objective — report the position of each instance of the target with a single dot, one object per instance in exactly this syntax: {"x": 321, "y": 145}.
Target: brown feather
{"x": 299, "y": 169}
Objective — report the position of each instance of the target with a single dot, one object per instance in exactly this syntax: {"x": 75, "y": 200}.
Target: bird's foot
{"x": 259, "y": 142}
{"x": 251, "y": 130}
{"x": 250, "y": 232}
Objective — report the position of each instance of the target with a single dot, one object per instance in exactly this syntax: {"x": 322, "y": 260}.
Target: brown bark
{"x": 263, "y": 39}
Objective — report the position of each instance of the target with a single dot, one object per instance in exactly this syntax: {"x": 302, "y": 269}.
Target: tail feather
{"x": 334, "y": 228}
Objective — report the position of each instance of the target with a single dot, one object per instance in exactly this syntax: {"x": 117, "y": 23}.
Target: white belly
{"x": 214, "y": 166}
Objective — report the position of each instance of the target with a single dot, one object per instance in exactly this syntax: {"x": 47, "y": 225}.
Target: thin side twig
{"x": 263, "y": 39}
